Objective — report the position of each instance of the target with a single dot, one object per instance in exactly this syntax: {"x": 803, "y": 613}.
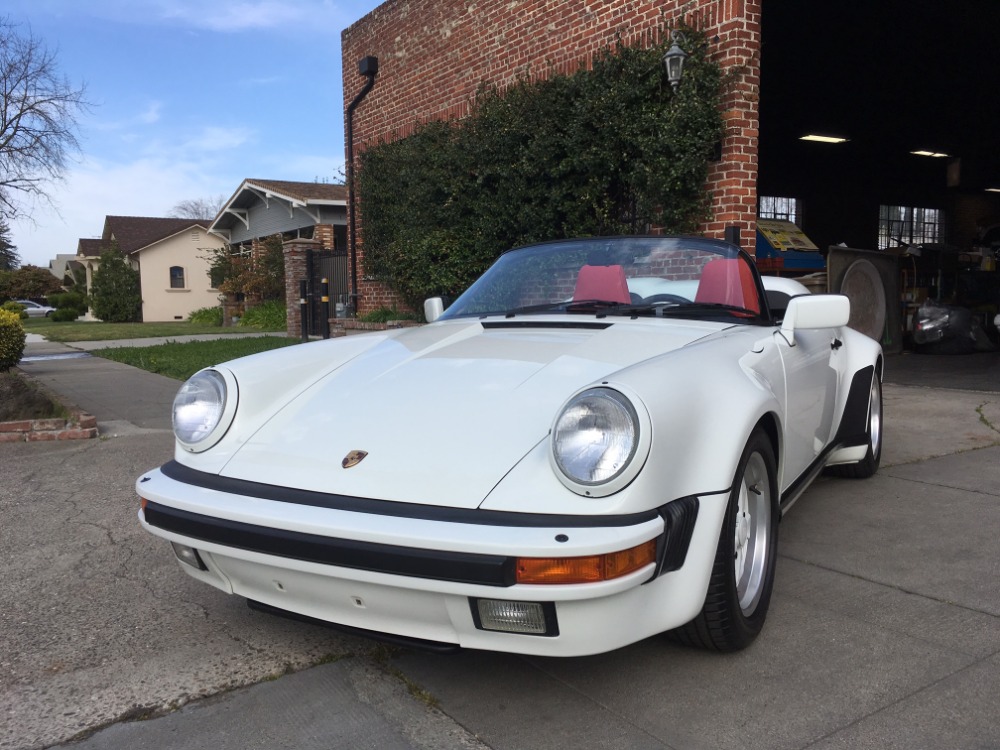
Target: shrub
{"x": 115, "y": 290}
{"x": 69, "y": 301}
{"x": 267, "y": 316}
{"x": 12, "y": 306}
{"x": 207, "y": 316}
{"x": 12, "y": 338}
{"x": 65, "y": 315}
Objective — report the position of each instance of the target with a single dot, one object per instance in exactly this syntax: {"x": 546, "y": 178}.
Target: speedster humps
{"x": 594, "y": 444}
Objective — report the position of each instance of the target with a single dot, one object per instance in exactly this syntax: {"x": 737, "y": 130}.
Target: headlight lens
{"x": 199, "y": 406}
{"x": 595, "y": 437}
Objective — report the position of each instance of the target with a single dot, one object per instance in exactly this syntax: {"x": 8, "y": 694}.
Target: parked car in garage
{"x": 591, "y": 446}
{"x": 35, "y": 310}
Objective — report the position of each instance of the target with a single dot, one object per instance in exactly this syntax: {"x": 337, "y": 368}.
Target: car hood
{"x": 443, "y": 412}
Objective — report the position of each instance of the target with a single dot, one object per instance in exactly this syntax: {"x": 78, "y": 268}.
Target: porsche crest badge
{"x": 353, "y": 459}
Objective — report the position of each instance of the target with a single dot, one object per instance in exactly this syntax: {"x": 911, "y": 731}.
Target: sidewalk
{"x": 125, "y": 399}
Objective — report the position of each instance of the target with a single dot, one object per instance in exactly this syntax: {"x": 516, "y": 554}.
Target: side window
{"x": 176, "y": 277}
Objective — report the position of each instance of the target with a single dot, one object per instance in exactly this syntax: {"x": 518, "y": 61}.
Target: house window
{"x": 176, "y": 277}
{"x": 773, "y": 207}
{"x": 910, "y": 226}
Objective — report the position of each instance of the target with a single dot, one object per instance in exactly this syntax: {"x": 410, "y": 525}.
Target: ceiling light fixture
{"x": 993, "y": 190}
{"x": 823, "y": 138}
{"x": 933, "y": 154}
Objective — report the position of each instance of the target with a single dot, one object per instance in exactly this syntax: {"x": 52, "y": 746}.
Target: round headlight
{"x": 198, "y": 407}
{"x": 595, "y": 437}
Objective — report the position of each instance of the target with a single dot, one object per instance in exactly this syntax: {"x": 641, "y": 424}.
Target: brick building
{"x": 434, "y": 54}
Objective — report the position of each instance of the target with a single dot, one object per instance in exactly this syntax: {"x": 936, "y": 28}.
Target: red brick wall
{"x": 433, "y": 54}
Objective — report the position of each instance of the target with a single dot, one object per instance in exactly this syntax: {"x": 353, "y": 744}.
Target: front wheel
{"x": 739, "y": 590}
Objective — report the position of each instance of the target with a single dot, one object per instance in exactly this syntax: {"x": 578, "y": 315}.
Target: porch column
{"x": 295, "y": 252}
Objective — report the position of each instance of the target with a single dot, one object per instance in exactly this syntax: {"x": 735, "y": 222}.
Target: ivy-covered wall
{"x": 435, "y": 55}
{"x": 606, "y": 151}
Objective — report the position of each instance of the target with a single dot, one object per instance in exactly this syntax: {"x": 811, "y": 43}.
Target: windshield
{"x": 635, "y": 276}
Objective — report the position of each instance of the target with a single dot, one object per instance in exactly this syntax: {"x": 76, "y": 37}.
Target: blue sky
{"x": 190, "y": 97}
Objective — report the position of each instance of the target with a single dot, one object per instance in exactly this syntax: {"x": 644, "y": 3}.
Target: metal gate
{"x": 332, "y": 266}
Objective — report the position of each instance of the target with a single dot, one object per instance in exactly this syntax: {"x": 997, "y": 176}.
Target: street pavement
{"x": 884, "y": 628}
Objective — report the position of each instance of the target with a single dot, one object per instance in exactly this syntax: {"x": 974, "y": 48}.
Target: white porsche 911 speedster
{"x": 593, "y": 445}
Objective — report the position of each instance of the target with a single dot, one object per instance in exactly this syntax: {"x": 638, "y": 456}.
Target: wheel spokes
{"x": 752, "y": 522}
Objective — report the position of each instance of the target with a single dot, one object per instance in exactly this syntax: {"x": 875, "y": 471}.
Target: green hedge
{"x": 14, "y": 307}
{"x": 12, "y": 338}
{"x": 611, "y": 150}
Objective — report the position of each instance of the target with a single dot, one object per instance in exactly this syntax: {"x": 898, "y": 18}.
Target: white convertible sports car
{"x": 594, "y": 444}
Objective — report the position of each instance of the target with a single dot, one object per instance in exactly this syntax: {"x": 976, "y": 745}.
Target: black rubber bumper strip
{"x": 460, "y": 567}
{"x": 186, "y": 475}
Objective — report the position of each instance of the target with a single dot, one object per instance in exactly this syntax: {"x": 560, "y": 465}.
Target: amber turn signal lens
{"x": 585, "y": 569}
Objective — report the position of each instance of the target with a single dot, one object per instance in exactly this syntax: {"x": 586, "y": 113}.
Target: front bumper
{"x": 417, "y": 571}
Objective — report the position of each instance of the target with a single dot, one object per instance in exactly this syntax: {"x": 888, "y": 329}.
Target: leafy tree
{"x": 115, "y": 289}
{"x": 9, "y": 259}
{"x": 258, "y": 275}
{"x": 38, "y": 110}
{"x": 28, "y": 282}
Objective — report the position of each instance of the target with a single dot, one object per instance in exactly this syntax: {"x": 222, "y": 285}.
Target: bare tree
{"x": 198, "y": 208}
{"x": 38, "y": 111}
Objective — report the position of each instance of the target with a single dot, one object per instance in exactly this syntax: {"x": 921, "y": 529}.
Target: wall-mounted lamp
{"x": 674, "y": 59}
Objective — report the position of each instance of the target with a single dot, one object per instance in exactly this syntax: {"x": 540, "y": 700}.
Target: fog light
{"x": 188, "y": 556}
{"x": 530, "y": 618}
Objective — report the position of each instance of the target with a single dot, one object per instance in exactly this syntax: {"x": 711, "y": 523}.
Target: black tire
{"x": 867, "y": 466}
{"x": 736, "y": 604}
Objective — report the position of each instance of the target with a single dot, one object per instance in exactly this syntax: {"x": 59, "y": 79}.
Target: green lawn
{"x": 96, "y": 331}
{"x": 182, "y": 360}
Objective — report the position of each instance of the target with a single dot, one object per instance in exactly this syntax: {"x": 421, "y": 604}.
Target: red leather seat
{"x": 728, "y": 281}
{"x": 602, "y": 282}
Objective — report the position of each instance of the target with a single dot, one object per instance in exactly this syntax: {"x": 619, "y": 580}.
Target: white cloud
{"x": 152, "y": 113}
{"x": 148, "y": 187}
{"x": 213, "y": 138}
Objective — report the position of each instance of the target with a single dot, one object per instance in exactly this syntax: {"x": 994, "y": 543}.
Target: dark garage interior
{"x": 891, "y": 77}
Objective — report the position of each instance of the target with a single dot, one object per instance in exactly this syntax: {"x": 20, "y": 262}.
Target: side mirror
{"x": 815, "y": 311}
{"x": 433, "y": 308}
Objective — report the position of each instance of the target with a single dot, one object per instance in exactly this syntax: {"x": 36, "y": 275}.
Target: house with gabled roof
{"x": 295, "y": 210}
{"x": 171, "y": 255}
{"x": 311, "y": 215}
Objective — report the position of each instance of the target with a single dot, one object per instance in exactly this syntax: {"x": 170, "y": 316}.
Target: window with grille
{"x": 773, "y": 207}
{"x": 909, "y": 226}
{"x": 176, "y": 277}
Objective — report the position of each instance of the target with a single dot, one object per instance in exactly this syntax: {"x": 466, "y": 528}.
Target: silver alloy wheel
{"x": 752, "y": 522}
{"x": 875, "y": 417}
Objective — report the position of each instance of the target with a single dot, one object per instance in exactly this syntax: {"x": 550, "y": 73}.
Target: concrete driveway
{"x": 884, "y": 628}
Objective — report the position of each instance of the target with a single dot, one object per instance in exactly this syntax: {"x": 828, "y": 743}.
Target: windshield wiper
{"x": 575, "y": 306}
{"x": 676, "y": 309}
